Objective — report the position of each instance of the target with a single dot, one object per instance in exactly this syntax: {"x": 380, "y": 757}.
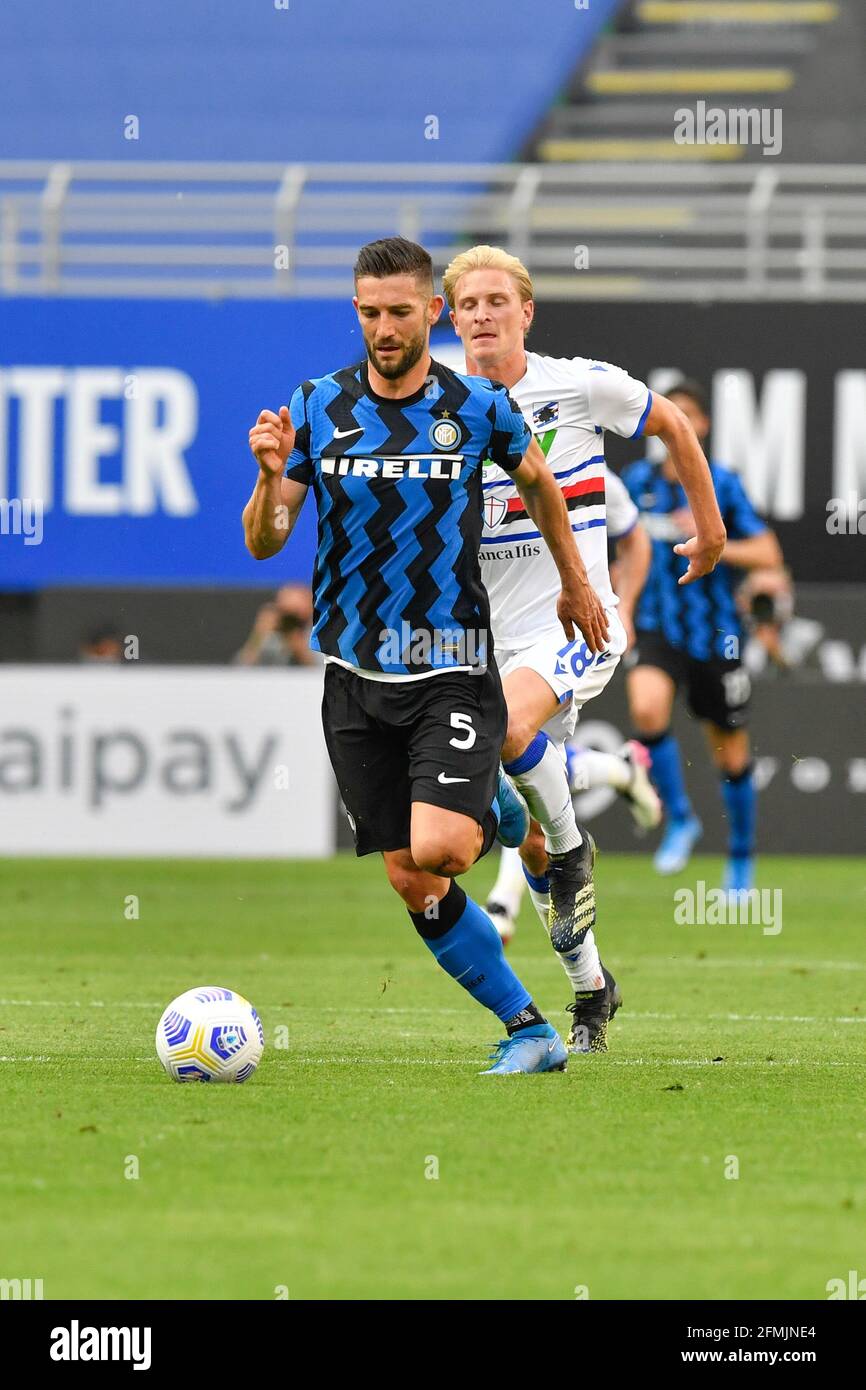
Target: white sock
{"x": 582, "y": 965}
{"x": 548, "y": 795}
{"x": 510, "y": 884}
{"x": 541, "y": 903}
{"x": 592, "y": 769}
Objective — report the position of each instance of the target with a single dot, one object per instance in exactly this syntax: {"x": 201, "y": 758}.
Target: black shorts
{"x": 390, "y": 743}
{"x": 717, "y": 690}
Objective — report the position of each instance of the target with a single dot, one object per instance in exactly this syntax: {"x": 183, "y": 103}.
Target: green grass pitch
{"x": 316, "y": 1176}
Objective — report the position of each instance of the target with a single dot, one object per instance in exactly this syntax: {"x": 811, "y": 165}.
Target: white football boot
{"x": 501, "y": 919}
{"x": 642, "y": 797}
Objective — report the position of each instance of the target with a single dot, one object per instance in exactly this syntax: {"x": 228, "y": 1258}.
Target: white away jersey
{"x": 622, "y": 514}
{"x": 568, "y": 403}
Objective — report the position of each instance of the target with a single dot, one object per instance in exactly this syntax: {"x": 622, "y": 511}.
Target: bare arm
{"x": 704, "y": 549}
{"x": 761, "y": 552}
{"x": 273, "y": 508}
{"x": 579, "y": 605}
{"x": 634, "y": 556}
{"x": 271, "y": 513}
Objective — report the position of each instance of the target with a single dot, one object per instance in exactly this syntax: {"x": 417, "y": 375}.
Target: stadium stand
{"x": 664, "y": 54}
{"x": 281, "y": 210}
{"x": 664, "y": 216}
{"x": 218, "y": 82}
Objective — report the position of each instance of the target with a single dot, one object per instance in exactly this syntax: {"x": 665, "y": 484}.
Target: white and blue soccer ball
{"x": 210, "y": 1034}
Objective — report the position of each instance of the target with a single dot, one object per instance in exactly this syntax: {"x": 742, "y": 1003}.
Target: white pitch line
{"x": 75, "y": 1004}
{"x": 784, "y": 1018}
{"x": 475, "y": 1061}
{"x": 782, "y": 963}
{"x": 627, "y": 1016}
{"x": 608, "y": 1062}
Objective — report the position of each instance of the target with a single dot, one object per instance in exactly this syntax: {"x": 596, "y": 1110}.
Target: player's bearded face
{"x": 394, "y": 351}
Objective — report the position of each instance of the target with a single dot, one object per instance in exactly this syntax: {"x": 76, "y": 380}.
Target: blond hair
{"x": 486, "y": 258}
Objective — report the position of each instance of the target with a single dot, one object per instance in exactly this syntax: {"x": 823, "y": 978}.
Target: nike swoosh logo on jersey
{"x": 444, "y": 780}
{"x": 551, "y": 1046}
{"x": 344, "y": 434}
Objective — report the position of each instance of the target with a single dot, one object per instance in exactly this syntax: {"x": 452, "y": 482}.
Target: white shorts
{"x": 573, "y": 673}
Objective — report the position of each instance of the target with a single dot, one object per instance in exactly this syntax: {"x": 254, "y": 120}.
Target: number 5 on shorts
{"x": 463, "y": 722}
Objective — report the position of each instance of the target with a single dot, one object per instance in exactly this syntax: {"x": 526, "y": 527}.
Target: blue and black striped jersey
{"x": 696, "y": 618}
{"x": 398, "y": 491}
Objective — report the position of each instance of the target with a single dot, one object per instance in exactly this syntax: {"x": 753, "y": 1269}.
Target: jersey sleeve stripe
{"x": 566, "y": 472}
{"x": 643, "y": 419}
{"x": 508, "y": 537}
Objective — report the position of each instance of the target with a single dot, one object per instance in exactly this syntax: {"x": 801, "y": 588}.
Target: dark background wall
{"x": 820, "y": 340}
{"x": 199, "y": 626}
{"x": 809, "y": 743}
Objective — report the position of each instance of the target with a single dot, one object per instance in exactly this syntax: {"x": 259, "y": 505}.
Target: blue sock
{"x": 667, "y": 774}
{"x": 530, "y": 757}
{"x": 541, "y": 883}
{"x": 467, "y": 946}
{"x": 741, "y": 801}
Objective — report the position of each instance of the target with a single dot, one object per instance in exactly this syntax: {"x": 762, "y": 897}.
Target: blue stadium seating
{"x": 317, "y": 80}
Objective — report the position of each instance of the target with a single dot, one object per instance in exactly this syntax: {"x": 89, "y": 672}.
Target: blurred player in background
{"x": 568, "y": 404}
{"x": 413, "y": 711}
{"x": 689, "y": 638}
{"x": 627, "y": 770}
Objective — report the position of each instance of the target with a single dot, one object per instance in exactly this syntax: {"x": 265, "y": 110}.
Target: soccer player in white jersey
{"x": 568, "y": 404}
{"x": 626, "y": 771}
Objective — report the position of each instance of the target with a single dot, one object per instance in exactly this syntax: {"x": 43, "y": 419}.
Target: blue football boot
{"x": 513, "y": 813}
{"x": 535, "y": 1049}
{"x": 739, "y": 874}
{"x": 679, "y": 840}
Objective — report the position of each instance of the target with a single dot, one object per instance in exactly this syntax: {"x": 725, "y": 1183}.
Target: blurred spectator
{"x": 104, "y": 643}
{"x": 776, "y": 636}
{"x": 281, "y": 631}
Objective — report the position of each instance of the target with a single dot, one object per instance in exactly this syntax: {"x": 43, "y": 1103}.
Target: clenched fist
{"x": 272, "y": 439}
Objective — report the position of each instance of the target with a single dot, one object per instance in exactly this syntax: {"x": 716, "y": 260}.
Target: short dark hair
{"x": 394, "y": 255}
{"x": 687, "y": 386}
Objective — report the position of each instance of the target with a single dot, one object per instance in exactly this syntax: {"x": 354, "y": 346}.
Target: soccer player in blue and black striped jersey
{"x": 413, "y": 710}
{"x": 688, "y": 637}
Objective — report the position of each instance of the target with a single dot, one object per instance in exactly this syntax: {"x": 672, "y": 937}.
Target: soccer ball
{"x": 210, "y": 1034}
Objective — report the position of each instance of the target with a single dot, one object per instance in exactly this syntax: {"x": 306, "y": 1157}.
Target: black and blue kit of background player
{"x": 413, "y": 706}
{"x": 693, "y": 633}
